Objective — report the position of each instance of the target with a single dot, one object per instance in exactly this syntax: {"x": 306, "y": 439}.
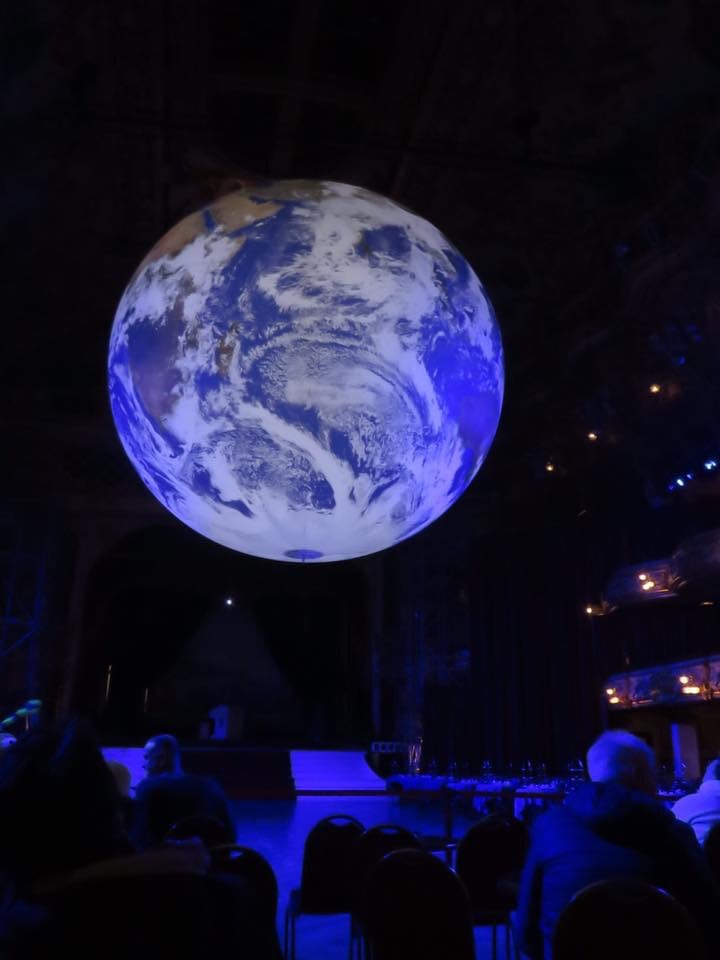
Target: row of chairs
{"x": 345, "y": 869}
{"x": 404, "y": 902}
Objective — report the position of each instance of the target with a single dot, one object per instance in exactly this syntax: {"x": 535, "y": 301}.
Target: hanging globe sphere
{"x": 305, "y": 371}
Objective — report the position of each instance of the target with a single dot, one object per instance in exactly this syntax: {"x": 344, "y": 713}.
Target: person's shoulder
{"x": 154, "y": 785}
{"x": 208, "y": 783}
{"x": 548, "y": 824}
{"x": 685, "y": 804}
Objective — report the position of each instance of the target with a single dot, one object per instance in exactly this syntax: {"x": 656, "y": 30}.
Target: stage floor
{"x": 277, "y": 829}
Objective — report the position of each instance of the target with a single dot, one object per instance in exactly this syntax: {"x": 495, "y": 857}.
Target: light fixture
{"x": 229, "y": 601}
{"x": 648, "y": 585}
{"x": 589, "y": 611}
{"x": 710, "y": 464}
{"x": 680, "y": 482}
{"x": 707, "y": 603}
{"x": 614, "y": 700}
{"x": 610, "y": 691}
{"x": 592, "y": 435}
{"x": 684, "y": 680}
{"x": 655, "y": 388}
{"x": 550, "y": 467}
{"x": 642, "y": 577}
{"x": 691, "y": 690}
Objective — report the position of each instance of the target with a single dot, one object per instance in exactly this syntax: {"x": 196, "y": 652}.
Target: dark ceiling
{"x": 569, "y": 148}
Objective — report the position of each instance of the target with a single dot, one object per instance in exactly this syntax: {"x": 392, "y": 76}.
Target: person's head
{"x": 620, "y": 757}
{"x": 712, "y": 770}
{"x": 121, "y": 776}
{"x": 60, "y": 807}
{"x": 162, "y": 755}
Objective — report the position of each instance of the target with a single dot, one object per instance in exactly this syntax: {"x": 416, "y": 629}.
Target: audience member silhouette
{"x": 73, "y": 885}
{"x": 701, "y": 810}
{"x": 613, "y": 827}
{"x": 168, "y": 795}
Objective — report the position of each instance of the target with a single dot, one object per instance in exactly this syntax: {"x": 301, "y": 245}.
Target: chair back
{"x": 211, "y": 831}
{"x": 327, "y": 869}
{"x": 711, "y": 847}
{"x": 373, "y": 845}
{"x": 625, "y": 919}
{"x": 492, "y": 850}
{"x": 237, "y": 861}
{"x": 416, "y": 908}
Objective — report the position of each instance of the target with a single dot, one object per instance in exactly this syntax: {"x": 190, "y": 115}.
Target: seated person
{"x": 612, "y": 827}
{"x": 74, "y": 887}
{"x": 701, "y": 810}
{"x": 167, "y": 796}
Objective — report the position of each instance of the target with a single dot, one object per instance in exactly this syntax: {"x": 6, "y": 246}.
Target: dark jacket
{"x": 164, "y": 800}
{"x": 605, "y": 831}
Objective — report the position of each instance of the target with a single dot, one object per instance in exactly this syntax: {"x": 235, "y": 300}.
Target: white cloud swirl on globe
{"x": 306, "y": 371}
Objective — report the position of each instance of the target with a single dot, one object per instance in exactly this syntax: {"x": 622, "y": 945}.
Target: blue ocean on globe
{"x": 306, "y": 371}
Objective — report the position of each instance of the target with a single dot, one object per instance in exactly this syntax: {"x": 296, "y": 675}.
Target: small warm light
{"x": 655, "y": 388}
{"x": 642, "y": 577}
{"x": 684, "y": 680}
{"x": 550, "y": 467}
{"x": 707, "y": 603}
{"x": 592, "y": 436}
{"x": 229, "y": 601}
{"x": 691, "y": 690}
{"x": 614, "y": 700}
{"x": 610, "y": 691}
{"x": 589, "y": 611}
{"x": 648, "y": 585}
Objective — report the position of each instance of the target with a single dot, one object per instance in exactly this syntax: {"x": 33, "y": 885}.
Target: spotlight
{"x": 655, "y": 388}
{"x": 642, "y": 577}
{"x": 614, "y": 700}
{"x": 684, "y": 680}
{"x": 592, "y": 436}
{"x": 710, "y": 464}
{"x": 691, "y": 690}
{"x": 648, "y": 585}
{"x": 229, "y": 601}
{"x": 589, "y": 611}
{"x": 550, "y": 467}
{"x": 680, "y": 482}
{"x": 707, "y": 603}
{"x": 610, "y": 691}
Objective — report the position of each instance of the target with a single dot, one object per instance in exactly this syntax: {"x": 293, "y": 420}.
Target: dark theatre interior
{"x": 491, "y": 734}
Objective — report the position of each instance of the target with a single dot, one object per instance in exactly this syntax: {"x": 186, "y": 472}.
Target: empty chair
{"x": 327, "y": 873}
{"x": 416, "y": 908}
{"x": 489, "y": 859}
{"x": 373, "y": 845}
{"x": 625, "y": 919}
{"x": 212, "y": 832}
{"x": 238, "y": 861}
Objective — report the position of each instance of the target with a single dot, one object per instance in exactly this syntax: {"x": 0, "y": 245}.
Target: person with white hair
{"x": 612, "y": 827}
{"x": 701, "y": 810}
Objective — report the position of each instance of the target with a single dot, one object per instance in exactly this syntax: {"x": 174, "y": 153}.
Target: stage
{"x": 257, "y": 773}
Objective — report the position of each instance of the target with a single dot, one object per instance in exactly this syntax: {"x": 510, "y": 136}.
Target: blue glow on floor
{"x": 277, "y": 829}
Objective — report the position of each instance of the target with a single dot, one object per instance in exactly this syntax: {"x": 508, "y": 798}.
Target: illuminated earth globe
{"x": 305, "y": 371}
